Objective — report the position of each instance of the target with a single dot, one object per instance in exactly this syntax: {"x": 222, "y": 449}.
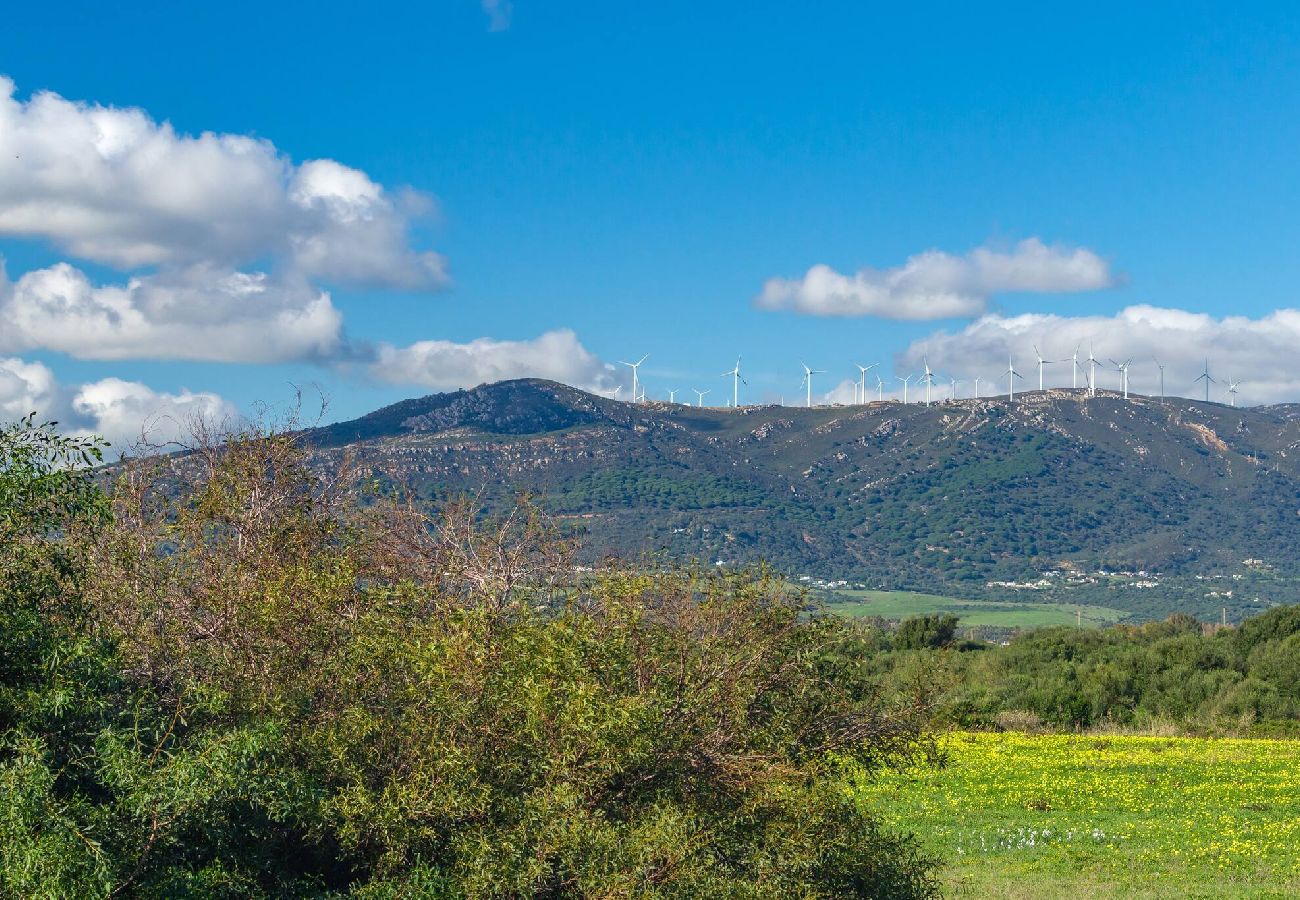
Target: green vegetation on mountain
{"x": 1139, "y": 506}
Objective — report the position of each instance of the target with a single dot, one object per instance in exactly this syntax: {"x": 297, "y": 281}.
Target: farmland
{"x": 1018, "y": 815}
{"x": 971, "y": 613}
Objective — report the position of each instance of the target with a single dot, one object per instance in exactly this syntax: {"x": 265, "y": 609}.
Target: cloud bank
{"x": 123, "y": 412}
{"x": 442, "y": 365}
{"x": 116, "y": 187}
{"x": 200, "y": 312}
{"x": 1260, "y": 353}
{"x": 938, "y": 285}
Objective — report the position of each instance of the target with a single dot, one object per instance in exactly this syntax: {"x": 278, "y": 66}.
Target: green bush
{"x": 248, "y": 683}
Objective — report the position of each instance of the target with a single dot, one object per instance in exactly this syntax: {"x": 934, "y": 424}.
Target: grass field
{"x": 901, "y": 604}
{"x": 1027, "y": 816}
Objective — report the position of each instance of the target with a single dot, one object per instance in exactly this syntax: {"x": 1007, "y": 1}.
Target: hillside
{"x": 1137, "y": 505}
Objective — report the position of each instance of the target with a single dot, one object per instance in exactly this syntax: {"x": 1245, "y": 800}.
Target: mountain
{"x": 1148, "y": 505}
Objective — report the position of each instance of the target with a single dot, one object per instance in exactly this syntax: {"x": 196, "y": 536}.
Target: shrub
{"x": 300, "y": 693}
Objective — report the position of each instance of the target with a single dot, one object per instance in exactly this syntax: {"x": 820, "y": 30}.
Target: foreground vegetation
{"x": 232, "y": 678}
{"x": 1104, "y": 816}
{"x": 1177, "y": 674}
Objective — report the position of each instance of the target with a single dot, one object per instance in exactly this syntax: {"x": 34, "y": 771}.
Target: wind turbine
{"x": 955, "y": 382}
{"x": 862, "y": 385}
{"x": 1232, "y": 392}
{"x": 672, "y": 396}
{"x": 1092, "y": 372}
{"x": 699, "y": 397}
{"x": 1205, "y": 376}
{"x": 617, "y": 388}
{"x": 1074, "y": 373}
{"x": 807, "y": 379}
{"x": 928, "y": 380}
{"x": 1122, "y": 369}
{"x": 1041, "y": 363}
{"x": 905, "y": 381}
{"x": 1012, "y": 375}
{"x": 634, "y": 366}
{"x": 977, "y": 387}
{"x": 1161, "y": 367}
{"x": 735, "y": 384}
{"x": 880, "y": 389}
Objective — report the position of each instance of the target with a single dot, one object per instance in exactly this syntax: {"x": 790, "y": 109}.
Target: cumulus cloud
{"x": 443, "y": 365}
{"x": 114, "y": 186}
{"x": 123, "y": 412}
{"x": 938, "y": 285}
{"x": 1260, "y": 353}
{"x": 200, "y": 312}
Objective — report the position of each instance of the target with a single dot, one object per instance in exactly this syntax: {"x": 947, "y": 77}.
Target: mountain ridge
{"x": 963, "y": 496}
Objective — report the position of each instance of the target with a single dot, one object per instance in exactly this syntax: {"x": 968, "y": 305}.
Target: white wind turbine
{"x": 862, "y": 383}
{"x": 1092, "y": 371}
{"x": 1074, "y": 374}
{"x": 699, "y": 397}
{"x": 880, "y": 389}
{"x": 1012, "y": 375}
{"x": 735, "y": 384}
{"x": 807, "y": 380}
{"x": 977, "y": 387}
{"x": 1161, "y": 367}
{"x": 905, "y": 383}
{"x": 1122, "y": 369}
{"x": 672, "y": 396}
{"x": 1232, "y": 392}
{"x": 634, "y": 366}
{"x": 955, "y": 383}
{"x": 1205, "y": 376}
{"x": 1041, "y": 363}
{"x": 617, "y": 388}
{"x": 928, "y": 380}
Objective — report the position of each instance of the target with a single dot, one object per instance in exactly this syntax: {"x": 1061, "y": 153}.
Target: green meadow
{"x": 971, "y": 613}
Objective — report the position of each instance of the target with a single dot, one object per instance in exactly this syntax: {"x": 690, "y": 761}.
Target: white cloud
{"x": 114, "y": 186}
{"x": 127, "y": 412}
{"x": 200, "y": 312}
{"x": 443, "y": 365}
{"x": 25, "y": 387}
{"x": 499, "y": 13}
{"x": 938, "y": 285}
{"x": 1260, "y": 353}
{"x": 120, "y": 411}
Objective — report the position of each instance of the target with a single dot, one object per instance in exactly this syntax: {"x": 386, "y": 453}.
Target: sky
{"x": 206, "y": 209}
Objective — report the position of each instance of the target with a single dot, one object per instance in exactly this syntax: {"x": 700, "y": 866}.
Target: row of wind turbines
{"x": 928, "y": 380}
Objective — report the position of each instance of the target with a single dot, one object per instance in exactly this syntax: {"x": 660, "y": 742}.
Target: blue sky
{"x": 637, "y": 174}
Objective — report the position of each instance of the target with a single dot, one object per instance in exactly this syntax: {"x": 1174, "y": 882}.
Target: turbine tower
{"x": 880, "y": 389}
{"x": 905, "y": 381}
{"x": 1232, "y": 392}
{"x": 862, "y": 384}
{"x": 1074, "y": 374}
{"x": 634, "y": 366}
{"x": 977, "y": 387}
{"x": 672, "y": 396}
{"x": 928, "y": 380}
{"x": 955, "y": 383}
{"x": 617, "y": 388}
{"x": 699, "y": 397}
{"x": 1012, "y": 375}
{"x": 1041, "y": 363}
{"x": 1205, "y": 376}
{"x": 1122, "y": 369}
{"x": 735, "y": 384}
{"x": 807, "y": 379}
{"x": 1092, "y": 371}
